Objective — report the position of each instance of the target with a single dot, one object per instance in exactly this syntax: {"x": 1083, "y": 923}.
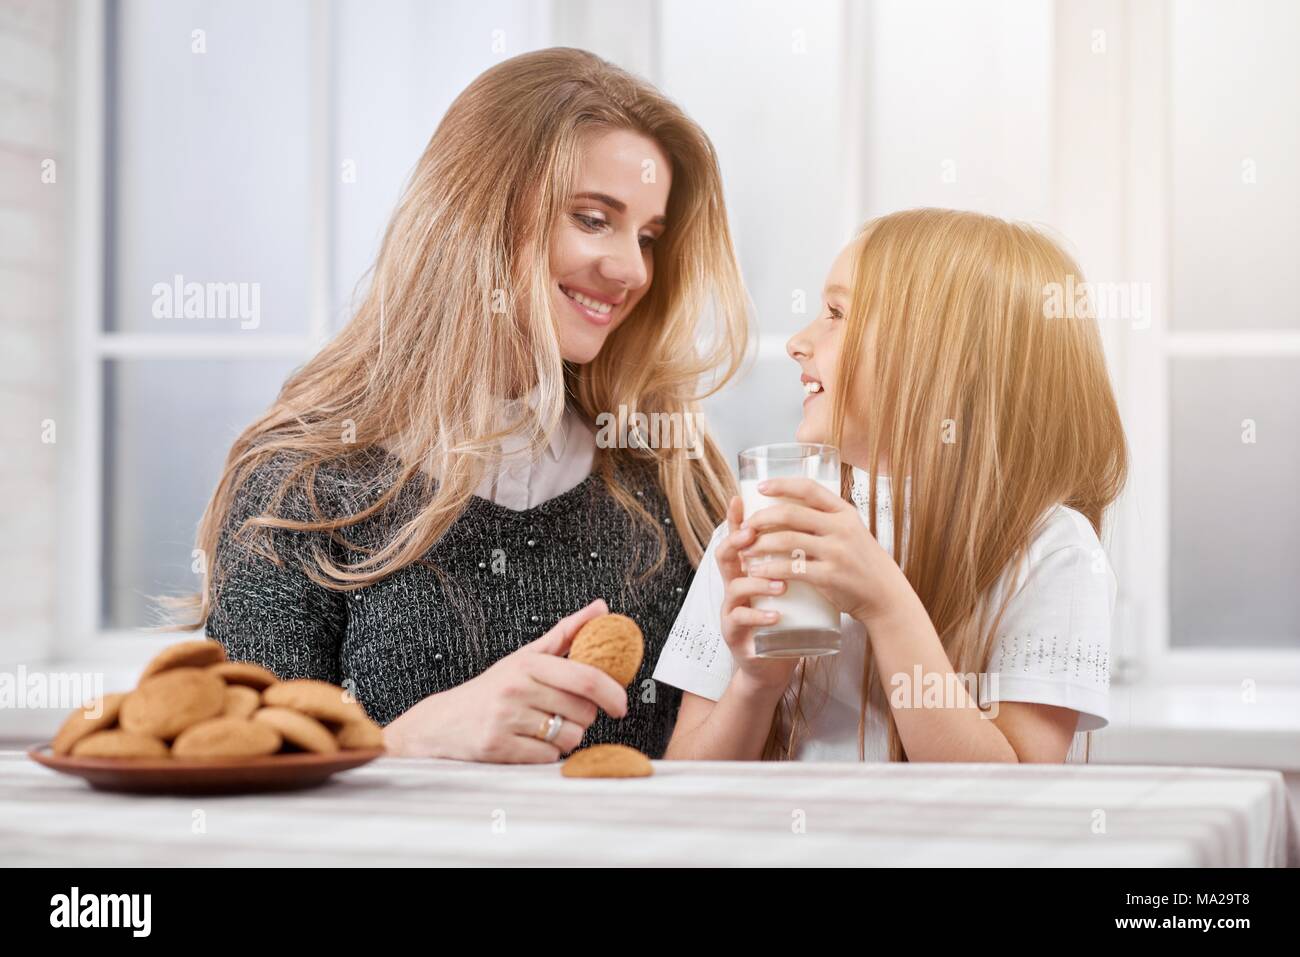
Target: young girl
{"x": 975, "y": 597}
{"x": 427, "y": 497}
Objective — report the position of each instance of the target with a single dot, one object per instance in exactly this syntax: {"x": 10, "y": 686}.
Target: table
{"x": 421, "y": 812}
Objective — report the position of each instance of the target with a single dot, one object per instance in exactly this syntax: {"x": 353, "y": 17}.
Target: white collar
{"x": 516, "y": 441}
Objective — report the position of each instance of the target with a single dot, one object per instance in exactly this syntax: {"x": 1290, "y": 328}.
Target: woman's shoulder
{"x": 1063, "y": 527}
{"x": 291, "y": 485}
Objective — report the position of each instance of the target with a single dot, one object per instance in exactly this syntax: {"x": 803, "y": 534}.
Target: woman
{"x": 426, "y": 497}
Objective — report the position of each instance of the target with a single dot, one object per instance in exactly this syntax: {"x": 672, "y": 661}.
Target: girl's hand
{"x": 496, "y": 716}
{"x": 817, "y": 537}
{"x": 739, "y": 621}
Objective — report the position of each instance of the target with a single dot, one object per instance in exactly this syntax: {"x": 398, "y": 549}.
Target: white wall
{"x": 33, "y": 38}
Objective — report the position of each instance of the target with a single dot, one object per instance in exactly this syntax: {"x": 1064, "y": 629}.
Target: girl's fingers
{"x": 786, "y": 570}
{"x": 746, "y": 617}
{"x": 784, "y": 543}
{"x": 728, "y": 550}
{"x": 805, "y": 491}
{"x": 799, "y": 518}
{"x": 740, "y": 590}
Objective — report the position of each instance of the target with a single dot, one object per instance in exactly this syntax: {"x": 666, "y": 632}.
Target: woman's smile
{"x": 599, "y": 311}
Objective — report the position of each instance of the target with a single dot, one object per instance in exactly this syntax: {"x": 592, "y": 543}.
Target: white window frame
{"x": 80, "y": 633}
{"x": 1148, "y": 355}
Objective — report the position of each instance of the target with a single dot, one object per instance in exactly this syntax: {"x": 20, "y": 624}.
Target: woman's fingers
{"x": 533, "y": 722}
{"x": 581, "y": 680}
{"x": 791, "y": 515}
{"x": 579, "y": 711}
{"x": 557, "y": 640}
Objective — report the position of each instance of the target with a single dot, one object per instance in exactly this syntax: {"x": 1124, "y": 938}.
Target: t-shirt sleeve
{"x": 1053, "y": 643}
{"x": 695, "y": 657}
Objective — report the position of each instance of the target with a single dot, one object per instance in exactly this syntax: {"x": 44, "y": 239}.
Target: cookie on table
{"x": 607, "y": 761}
{"x": 166, "y": 704}
{"x": 241, "y": 702}
{"x": 226, "y": 738}
{"x": 244, "y": 673}
{"x": 116, "y": 743}
{"x": 185, "y": 654}
{"x": 612, "y": 643}
{"x": 319, "y": 699}
{"x": 299, "y": 729}
{"x": 83, "y": 722}
{"x": 360, "y": 736}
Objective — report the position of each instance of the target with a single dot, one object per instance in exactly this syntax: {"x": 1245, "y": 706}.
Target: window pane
{"x": 1235, "y": 512}
{"x": 210, "y": 164}
{"x": 168, "y": 426}
{"x": 1235, "y": 146}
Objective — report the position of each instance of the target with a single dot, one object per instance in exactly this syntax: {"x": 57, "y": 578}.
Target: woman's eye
{"x": 591, "y": 223}
{"x": 835, "y": 313}
{"x": 647, "y": 242}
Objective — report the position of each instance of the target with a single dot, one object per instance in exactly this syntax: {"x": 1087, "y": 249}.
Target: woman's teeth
{"x": 812, "y": 388}
{"x": 595, "y": 305}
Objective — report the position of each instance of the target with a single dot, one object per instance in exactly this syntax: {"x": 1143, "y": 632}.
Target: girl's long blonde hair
{"x": 458, "y": 316}
{"x": 995, "y": 409}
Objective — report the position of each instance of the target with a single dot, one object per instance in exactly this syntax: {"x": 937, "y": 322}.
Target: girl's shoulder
{"x": 1062, "y": 527}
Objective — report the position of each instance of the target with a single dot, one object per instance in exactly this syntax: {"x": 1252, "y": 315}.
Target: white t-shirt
{"x": 1052, "y": 646}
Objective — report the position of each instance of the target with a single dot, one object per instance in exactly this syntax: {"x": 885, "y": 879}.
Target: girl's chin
{"x": 809, "y": 433}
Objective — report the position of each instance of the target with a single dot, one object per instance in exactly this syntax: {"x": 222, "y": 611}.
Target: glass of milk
{"x": 809, "y": 624}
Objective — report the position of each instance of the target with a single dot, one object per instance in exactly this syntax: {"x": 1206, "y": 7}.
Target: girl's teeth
{"x": 592, "y": 304}
{"x": 811, "y": 388}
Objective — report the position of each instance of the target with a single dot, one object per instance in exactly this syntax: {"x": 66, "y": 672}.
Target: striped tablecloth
{"x": 420, "y": 812}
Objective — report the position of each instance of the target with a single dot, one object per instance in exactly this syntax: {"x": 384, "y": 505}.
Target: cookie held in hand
{"x": 607, "y": 761}
{"x": 612, "y": 643}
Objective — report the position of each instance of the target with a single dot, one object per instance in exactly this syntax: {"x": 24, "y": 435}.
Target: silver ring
{"x": 553, "y": 727}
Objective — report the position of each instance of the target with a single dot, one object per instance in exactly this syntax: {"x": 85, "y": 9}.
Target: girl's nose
{"x": 799, "y": 347}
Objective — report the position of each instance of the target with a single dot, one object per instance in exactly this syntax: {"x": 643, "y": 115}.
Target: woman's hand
{"x": 817, "y": 537}
{"x": 496, "y": 717}
{"x": 739, "y": 620}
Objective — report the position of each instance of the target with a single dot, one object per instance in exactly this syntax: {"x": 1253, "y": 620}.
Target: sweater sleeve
{"x": 270, "y": 613}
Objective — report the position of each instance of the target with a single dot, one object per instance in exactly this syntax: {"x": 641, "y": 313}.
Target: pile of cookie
{"x": 193, "y": 704}
{"x": 615, "y": 645}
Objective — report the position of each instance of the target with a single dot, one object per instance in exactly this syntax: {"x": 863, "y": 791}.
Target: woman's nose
{"x": 627, "y": 265}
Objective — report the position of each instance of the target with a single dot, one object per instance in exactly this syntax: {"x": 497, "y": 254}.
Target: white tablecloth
{"x": 419, "y": 812}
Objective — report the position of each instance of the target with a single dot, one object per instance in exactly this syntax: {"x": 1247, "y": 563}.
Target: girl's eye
{"x": 647, "y": 242}
{"x": 589, "y": 222}
{"x": 835, "y": 313}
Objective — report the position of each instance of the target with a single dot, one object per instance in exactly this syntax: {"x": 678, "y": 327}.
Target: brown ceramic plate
{"x": 275, "y": 772}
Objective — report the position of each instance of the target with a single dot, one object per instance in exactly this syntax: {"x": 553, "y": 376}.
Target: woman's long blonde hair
{"x": 458, "y": 316}
{"x": 993, "y": 407}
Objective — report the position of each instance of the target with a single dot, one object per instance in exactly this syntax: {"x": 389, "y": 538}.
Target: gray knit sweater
{"x": 497, "y": 580}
